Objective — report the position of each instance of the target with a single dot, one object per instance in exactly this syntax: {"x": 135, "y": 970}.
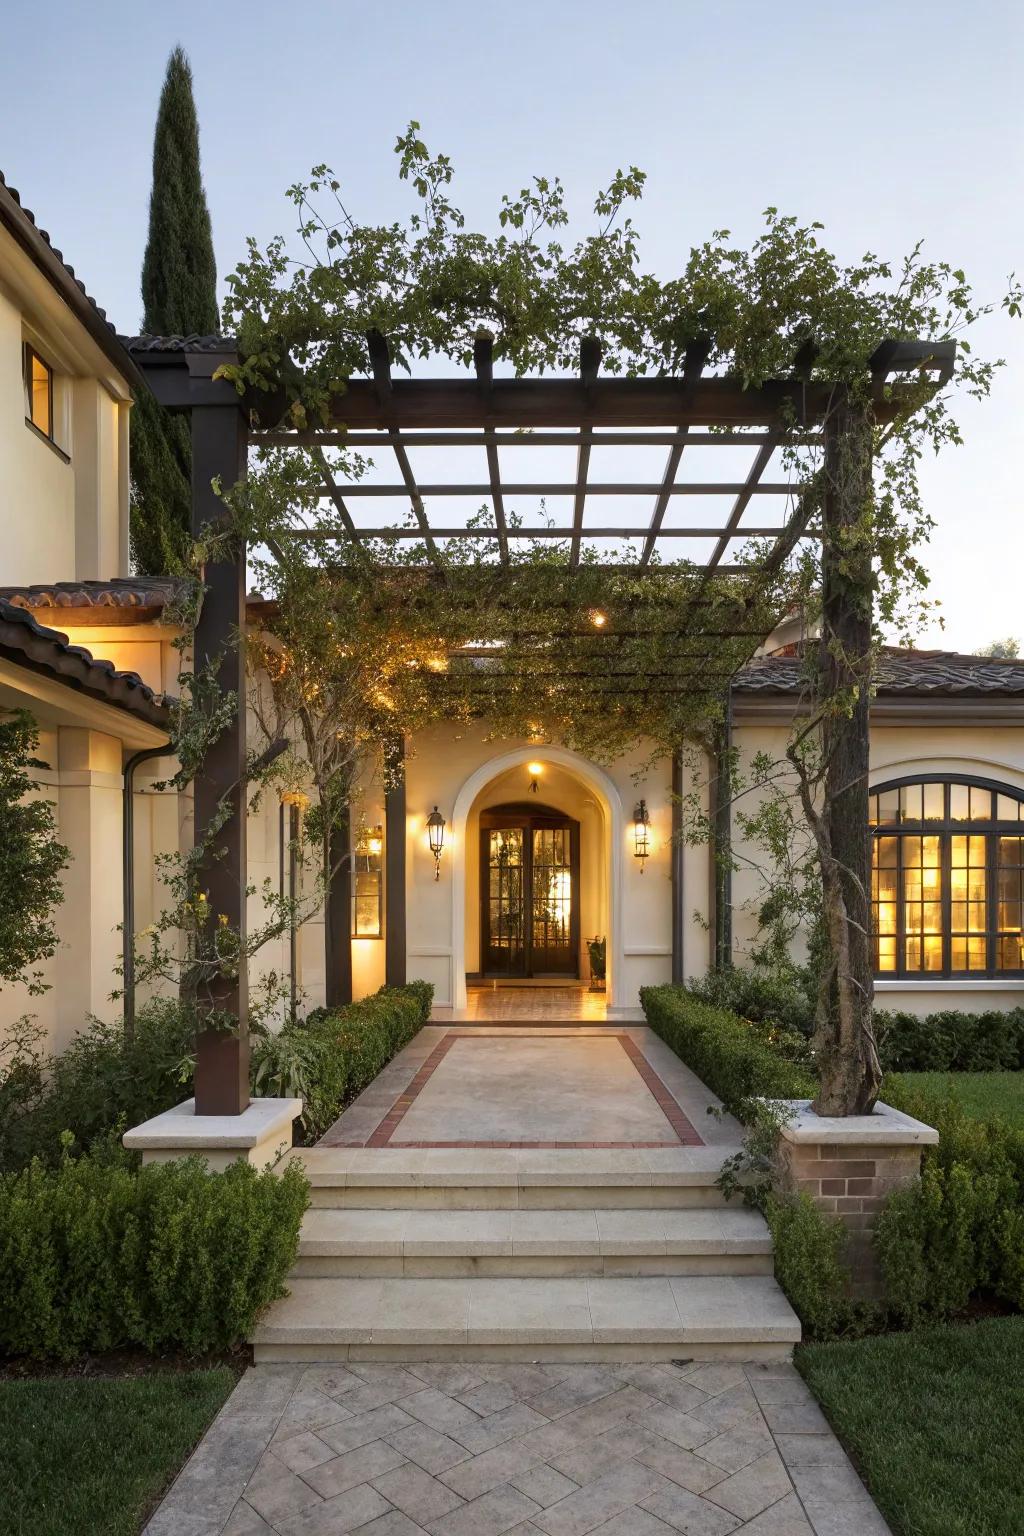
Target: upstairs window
{"x": 38, "y": 392}
{"x": 947, "y": 879}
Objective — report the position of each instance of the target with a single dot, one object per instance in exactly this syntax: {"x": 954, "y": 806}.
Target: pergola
{"x": 503, "y": 423}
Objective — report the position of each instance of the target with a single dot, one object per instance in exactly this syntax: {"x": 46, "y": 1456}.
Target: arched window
{"x": 947, "y": 878}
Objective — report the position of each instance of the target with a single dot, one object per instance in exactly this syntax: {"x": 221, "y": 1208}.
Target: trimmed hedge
{"x": 97, "y": 1255}
{"x": 738, "y": 1060}
{"x": 951, "y": 1042}
{"x": 328, "y": 1058}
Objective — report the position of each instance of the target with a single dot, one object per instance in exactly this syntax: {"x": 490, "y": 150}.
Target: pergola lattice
{"x": 495, "y": 418}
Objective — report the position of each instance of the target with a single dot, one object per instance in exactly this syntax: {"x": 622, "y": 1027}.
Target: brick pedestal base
{"x": 848, "y": 1167}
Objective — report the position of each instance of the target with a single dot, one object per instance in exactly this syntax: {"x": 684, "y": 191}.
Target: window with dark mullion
{"x": 947, "y": 878}
{"x": 38, "y": 392}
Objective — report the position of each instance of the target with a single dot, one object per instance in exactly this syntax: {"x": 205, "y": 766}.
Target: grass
{"x": 93, "y": 1455}
{"x": 934, "y": 1420}
{"x": 980, "y": 1093}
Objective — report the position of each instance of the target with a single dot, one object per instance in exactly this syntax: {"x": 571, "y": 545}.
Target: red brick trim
{"x": 683, "y": 1130}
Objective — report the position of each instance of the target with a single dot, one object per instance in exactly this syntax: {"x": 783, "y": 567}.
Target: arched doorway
{"x": 602, "y": 836}
{"x": 529, "y": 892}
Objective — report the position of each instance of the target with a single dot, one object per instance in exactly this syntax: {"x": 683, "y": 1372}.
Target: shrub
{"x": 96, "y": 1255}
{"x": 99, "y": 1082}
{"x": 330, "y": 1057}
{"x": 738, "y": 1060}
{"x": 762, "y": 996}
{"x": 951, "y": 1041}
{"x": 809, "y": 1264}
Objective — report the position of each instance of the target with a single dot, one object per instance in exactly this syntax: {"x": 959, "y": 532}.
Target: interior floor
{"x": 528, "y": 1003}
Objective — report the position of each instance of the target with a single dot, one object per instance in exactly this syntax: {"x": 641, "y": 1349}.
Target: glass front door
{"x": 530, "y": 894}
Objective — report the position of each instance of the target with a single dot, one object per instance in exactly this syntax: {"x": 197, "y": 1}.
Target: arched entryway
{"x": 568, "y": 879}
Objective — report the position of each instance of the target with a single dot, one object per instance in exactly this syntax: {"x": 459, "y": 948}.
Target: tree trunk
{"x": 850, "y": 1074}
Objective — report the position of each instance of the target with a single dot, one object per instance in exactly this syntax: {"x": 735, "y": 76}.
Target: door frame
{"x": 530, "y": 817}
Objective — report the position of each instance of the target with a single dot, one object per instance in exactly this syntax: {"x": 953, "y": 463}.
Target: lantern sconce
{"x": 435, "y": 837}
{"x": 641, "y": 834}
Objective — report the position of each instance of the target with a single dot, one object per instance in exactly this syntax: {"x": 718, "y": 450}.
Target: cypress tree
{"x": 179, "y": 295}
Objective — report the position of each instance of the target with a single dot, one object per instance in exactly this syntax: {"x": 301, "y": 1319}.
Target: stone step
{"x": 417, "y": 1242}
{"x": 464, "y": 1178}
{"x": 664, "y": 1317}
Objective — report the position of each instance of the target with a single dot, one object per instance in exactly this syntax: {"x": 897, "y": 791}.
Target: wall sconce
{"x": 534, "y": 770}
{"x": 641, "y": 833}
{"x": 435, "y": 837}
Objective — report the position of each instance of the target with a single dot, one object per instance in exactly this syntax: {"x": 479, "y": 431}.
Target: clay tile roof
{"x": 28, "y": 643}
{"x": 212, "y": 343}
{"x": 899, "y": 672}
{"x": 36, "y": 241}
{"x": 142, "y": 592}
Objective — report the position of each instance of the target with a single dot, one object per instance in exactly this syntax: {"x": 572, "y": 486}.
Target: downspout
{"x": 128, "y": 880}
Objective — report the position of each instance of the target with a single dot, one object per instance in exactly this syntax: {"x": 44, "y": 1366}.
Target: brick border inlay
{"x": 682, "y": 1128}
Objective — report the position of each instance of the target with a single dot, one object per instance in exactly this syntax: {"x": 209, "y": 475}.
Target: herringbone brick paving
{"x": 687, "y": 1449}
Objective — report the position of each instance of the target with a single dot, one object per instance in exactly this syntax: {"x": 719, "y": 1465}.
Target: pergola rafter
{"x": 496, "y": 415}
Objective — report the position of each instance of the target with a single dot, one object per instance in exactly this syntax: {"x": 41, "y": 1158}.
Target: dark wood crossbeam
{"x": 568, "y": 533}
{"x": 590, "y": 363}
{"x": 752, "y": 486}
{"x": 358, "y": 491}
{"x": 507, "y": 438}
{"x": 334, "y": 492}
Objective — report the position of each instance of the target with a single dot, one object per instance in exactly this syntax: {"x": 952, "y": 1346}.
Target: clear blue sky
{"x": 887, "y": 121}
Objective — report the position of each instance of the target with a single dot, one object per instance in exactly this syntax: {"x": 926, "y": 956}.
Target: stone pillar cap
{"x": 885, "y": 1126}
{"x": 182, "y": 1129}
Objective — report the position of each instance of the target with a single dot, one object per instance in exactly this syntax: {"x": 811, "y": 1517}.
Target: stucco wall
{"x": 992, "y": 752}
{"x": 442, "y": 922}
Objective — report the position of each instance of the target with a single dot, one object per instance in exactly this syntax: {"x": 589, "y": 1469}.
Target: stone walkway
{"x": 687, "y": 1449}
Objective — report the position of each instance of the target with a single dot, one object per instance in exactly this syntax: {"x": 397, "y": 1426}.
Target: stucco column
{"x": 89, "y": 817}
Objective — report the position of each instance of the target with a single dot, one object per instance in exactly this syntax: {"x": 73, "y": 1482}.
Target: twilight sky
{"x": 889, "y": 121}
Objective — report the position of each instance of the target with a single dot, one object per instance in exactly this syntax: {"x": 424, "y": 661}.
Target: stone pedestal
{"x": 848, "y": 1167}
{"x": 258, "y": 1135}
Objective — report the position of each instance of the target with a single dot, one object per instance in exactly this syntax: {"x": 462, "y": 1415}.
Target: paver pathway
{"x": 701, "y": 1449}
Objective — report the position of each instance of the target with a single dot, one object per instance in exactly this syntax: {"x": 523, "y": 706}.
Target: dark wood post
{"x": 848, "y": 1059}
{"x": 219, "y": 439}
{"x": 394, "y": 874}
{"x": 338, "y": 913}
{"x": 678, "y": 849}
{"x": 721, "y": 840}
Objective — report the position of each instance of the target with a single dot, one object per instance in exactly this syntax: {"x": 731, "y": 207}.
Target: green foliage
{"x": 96, "y": 1256}
{"x": 951, "y": 1041}
{"x": 331, "y": 1056}
{"x": 179, "y": 294}
{"x": 761, "y": 995}
{"x": 31, "y": 859}
{"x": 809, "y": 1265}
{"x": 934, "y": 1420}
{"x": 91, "y": 1454}
{"x": 960, "y": 1231}
{"x": 100, "y": 1083}
{"x": 597, "y": 948}
{"x": 739, "y": 1061}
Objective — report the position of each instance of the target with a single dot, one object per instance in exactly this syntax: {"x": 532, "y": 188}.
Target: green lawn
{"x": 90, "y": 1456}
{"x": 934, "y": 1420}
{"x": 980, "y": 1093}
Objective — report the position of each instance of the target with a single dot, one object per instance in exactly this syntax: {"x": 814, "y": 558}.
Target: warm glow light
{"x": 535, "y": 770}
{"x": 437, "y": 663}
{"x": 597, "y": 618}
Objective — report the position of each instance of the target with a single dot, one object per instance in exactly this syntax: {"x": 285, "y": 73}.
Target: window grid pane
{"x": 1009, "y": 904}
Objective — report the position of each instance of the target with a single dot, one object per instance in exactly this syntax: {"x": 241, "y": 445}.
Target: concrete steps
{"x": 525, "y": 1254}
{"x": 425, "y": 1243}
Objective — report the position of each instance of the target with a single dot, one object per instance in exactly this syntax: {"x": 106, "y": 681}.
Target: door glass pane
{"x": 552, "y": 899}
{"x": 911, "y": 799}
{"x": 934, "y": 802}
{"x": 504, "y": 948}
{"x": 1007, "y": 808}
